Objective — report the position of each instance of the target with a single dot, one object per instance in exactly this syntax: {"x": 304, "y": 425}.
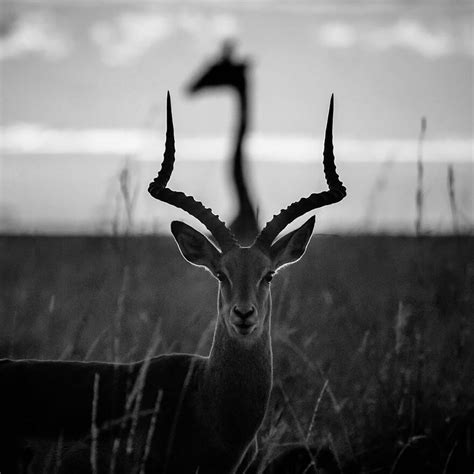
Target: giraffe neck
{"x": 245, "y": 223}
{"x": 243, "y": 113}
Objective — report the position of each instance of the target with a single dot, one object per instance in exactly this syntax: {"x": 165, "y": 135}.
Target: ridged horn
{"x": 159, "y": 190}
{"x": 336, "y": 192}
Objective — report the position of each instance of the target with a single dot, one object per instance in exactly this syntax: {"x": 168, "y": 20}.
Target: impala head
{"x": 244, "y": 273}
{"x": 225, "y": 71}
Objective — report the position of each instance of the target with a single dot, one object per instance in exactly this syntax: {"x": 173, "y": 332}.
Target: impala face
{"x": 244, "y": 290}
{"x": 244, "y": 274}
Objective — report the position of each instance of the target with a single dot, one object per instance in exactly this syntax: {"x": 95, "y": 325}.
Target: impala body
{"x": 46, "y": 400}
{"x": 176, "y": 413}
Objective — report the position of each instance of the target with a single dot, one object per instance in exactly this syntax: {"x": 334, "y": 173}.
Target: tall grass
{"x": 371, "y": 335}
{"x": 419, "y": 180}
{"x": 452, "y": 199}
{"x": 94, "y": 428}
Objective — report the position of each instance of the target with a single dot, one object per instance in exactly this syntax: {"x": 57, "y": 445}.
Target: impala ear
{"x": 195, "y": 247}
{"x": 291, "y": 247}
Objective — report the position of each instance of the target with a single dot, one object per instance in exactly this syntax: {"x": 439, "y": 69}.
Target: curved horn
{"x": 336, "y": 192}
{"x": 159, "y": 191}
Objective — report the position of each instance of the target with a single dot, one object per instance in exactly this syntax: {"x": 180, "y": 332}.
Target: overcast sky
{"x": 107, "y": 64}
{"x": 90, "y": 77}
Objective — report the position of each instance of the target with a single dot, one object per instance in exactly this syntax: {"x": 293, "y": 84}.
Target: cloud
{"x": 131, "y": 34}
{"x": 207, "y": 27}
{"x": 24, "y": 138}
{"x": 411, "y": 35}
{"x": 337, "y": 35}
{"x": 406, "y": 34}
{"x": 32, "y": 33}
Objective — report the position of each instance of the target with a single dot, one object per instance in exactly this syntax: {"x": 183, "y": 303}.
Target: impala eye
{"x": 221, "y": 276}
{"x": 268, "y": 277}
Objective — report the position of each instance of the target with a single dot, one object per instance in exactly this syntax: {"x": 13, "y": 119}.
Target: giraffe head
{"x": 224, "y": 71}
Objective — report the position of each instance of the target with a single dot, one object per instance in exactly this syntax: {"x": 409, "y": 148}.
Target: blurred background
{"x": 371, "y": 329}
{"x": 83, "y": 88}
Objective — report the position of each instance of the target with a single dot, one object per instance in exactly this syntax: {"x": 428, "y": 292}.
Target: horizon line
{"x": 145, "y": 145}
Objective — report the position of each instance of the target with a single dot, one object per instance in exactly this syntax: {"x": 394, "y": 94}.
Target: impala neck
{"x": 239, "y": 380}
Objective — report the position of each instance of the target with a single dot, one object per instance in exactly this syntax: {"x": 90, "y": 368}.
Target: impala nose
{"x": 244, "y": 312}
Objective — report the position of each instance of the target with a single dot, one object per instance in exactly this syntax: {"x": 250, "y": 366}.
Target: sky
{"x": 82, "y": 81}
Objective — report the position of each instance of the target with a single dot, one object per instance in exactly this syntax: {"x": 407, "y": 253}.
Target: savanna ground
{"x": 372, "y": 335}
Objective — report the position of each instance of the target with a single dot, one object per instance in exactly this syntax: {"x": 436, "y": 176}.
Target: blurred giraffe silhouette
{"x": 227, "y": 71}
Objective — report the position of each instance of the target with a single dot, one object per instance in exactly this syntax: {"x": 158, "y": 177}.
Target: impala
{"x": 175, "y": 413}
{"x": 229, "y": 73}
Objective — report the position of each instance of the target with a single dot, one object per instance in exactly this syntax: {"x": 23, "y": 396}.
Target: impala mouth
{"x": 244, "y": 329}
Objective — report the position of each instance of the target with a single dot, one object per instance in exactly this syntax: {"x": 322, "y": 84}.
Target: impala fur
{"x": 206, "y": 410}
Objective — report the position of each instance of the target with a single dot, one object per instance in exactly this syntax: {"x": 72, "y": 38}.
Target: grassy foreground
{"x": 372, "y": 335}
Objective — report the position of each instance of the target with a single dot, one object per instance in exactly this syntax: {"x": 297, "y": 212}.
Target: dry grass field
{"x": 372, "y": 335}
